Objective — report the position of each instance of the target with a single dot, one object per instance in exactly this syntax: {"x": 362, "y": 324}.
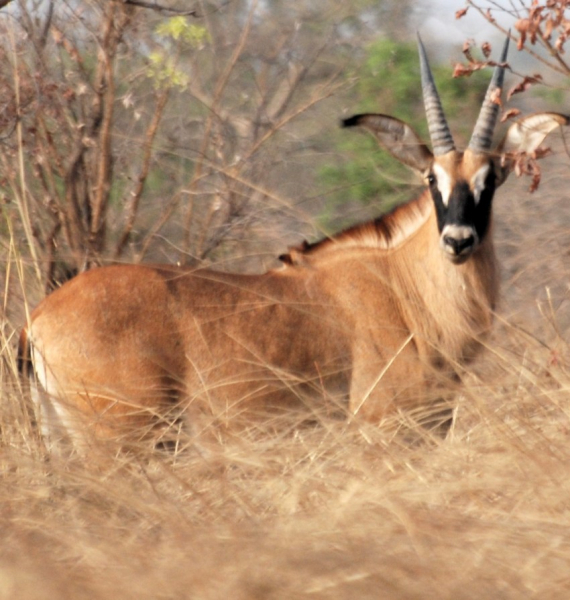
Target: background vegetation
{"x": 142, "y": 131}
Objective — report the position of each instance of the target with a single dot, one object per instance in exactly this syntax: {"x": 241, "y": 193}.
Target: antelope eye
{"x": 431, "y": 179}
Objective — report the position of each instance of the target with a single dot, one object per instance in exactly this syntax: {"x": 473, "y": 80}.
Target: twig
{"x": 160, "y": 8}
{"x": 136, "y": 193}
{"x": 105, "y": 89}
{"x": 159, "y": 224}
{"x": 535, "y": 55}
{"x": 330, "y": 88}
{"x": 219, "y": 90}
{"x": 23, "y": 192}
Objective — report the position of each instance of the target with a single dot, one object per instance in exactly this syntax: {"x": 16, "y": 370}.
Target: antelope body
{"x": 377, "y": 317}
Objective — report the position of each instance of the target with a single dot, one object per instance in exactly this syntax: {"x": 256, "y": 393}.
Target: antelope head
{"x": 461, "y": 184}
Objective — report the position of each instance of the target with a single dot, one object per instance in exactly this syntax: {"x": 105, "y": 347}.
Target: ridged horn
{"x": 440, "y": 134}
{"x": 482, "y": 137}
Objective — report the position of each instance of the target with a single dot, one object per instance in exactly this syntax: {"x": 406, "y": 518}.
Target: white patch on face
{"x": 478, "y": 182}
{"x": 443, "y": 183}
{"x": 452, "y": 242}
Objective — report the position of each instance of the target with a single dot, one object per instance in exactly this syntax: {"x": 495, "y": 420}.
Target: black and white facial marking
{"x": 462, "y": 188}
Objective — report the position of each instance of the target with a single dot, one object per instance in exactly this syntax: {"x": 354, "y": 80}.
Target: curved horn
{"x": 482, "y": 136}
{"x": 440, "y": 134}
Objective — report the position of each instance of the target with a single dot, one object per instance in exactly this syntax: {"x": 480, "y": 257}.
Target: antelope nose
{"x": 459, "y": 246}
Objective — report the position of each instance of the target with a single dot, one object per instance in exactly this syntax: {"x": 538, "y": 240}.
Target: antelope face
{"x": 462, "y": 188}
{"x": 462, "y": 184}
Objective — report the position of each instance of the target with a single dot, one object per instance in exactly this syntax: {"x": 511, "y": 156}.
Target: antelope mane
{"x": 385, "y": 233}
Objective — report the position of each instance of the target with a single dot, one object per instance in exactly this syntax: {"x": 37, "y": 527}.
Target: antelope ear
{"x": 525, "y": 136}
{"x": 399, "y": 139}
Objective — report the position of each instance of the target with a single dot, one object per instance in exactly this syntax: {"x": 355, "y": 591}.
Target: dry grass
{"x": 332, "y": 511}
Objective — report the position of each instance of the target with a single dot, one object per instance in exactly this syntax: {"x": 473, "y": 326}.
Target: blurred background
{"x": 207, "y": 133}
{"x": 137, "y": 131}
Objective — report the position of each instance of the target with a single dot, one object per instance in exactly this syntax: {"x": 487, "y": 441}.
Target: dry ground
{"x": 333, "y": 511}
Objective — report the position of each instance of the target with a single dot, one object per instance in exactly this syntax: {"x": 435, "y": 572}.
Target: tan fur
{"x": 134, "y": 341}
{"x": 375, "y": 320}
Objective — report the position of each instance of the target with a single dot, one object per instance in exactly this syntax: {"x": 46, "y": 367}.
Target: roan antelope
{"x": 380, "y": 314}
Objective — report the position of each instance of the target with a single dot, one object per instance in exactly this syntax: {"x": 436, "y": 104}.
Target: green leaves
{"x": 176, "y": 34}
{"x": 389, "y": 83}
{"x": 182, "y": 29}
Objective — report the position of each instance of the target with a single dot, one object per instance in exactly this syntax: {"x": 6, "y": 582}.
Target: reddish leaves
{"x": 524, "y": 85}
{"x": 543, "y": 21}
{"x": 510, "y": 114}
{"x": 462, "y": 70}
{"x": 546, "y": 20}
{"x": 496, "y": 96}
{"x": 527, "y": 164}
{"x": 486, "y": 49}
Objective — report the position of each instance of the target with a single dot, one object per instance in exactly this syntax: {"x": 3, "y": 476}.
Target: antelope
{"x": 375, "y": 319}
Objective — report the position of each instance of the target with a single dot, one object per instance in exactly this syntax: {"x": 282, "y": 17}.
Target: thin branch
{"x": 103, "y": 113}
{"x": 47, "y": 24}
{"x": 136, "y": 193}
{"x": 563, "y": 70}
{"x": 217, "y": 96}
{"x": 329, "y": 88}
{"x": 102, "y": 122}
{"x": 160, "y": 8}
{"x": 158, "y": 225}
{"x": 22, "y": 195}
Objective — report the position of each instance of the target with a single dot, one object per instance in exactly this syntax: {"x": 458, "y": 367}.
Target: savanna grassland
{"x": 333, "y": 510}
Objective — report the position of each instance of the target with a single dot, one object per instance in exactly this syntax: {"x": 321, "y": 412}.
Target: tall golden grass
{"x": 334, "y": 511}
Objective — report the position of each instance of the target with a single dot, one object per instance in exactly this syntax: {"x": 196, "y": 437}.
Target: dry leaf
{"x": 462, "y": 70}
{"x": 547, "y": 34}
{"x": 522, "y": 26}
{"x": 496, "y": 96}
{"x": 535, "y": 180}
{"x": 509, "y": 114}
{"x": 524, "y": 85}
{"x": 467, "y": 50}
